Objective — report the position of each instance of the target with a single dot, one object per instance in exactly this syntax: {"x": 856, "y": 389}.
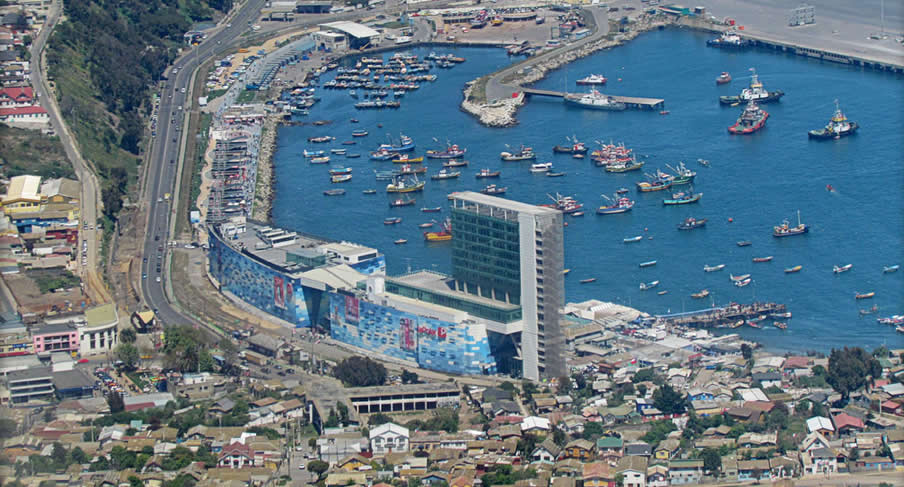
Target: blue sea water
{"x": 757, "y": 181}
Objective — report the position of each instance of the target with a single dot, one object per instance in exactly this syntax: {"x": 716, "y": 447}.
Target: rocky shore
{"x": 263, "y": 190}
{"x": 499, "y": 113}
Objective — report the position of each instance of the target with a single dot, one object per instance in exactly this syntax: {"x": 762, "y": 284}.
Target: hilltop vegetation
{"x": 104, "y": 58}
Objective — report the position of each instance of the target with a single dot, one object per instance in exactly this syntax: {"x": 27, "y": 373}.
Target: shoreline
{"x": 266, "y": 174}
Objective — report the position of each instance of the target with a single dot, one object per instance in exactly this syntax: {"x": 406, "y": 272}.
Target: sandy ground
{"x": 510, "y": 32}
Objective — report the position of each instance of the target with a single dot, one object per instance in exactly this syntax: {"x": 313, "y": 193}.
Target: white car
{"x": 301, "y": 467}
{"x": 157, "y": 279}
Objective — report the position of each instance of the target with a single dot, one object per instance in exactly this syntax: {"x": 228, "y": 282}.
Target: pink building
{"x": 55, "y": 338}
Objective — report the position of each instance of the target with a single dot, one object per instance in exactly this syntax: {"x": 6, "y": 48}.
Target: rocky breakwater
{"x": 263, "y": 189}
{"x": 498, "y": 113}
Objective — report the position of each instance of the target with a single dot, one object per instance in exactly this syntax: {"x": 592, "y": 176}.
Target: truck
{"x": 255, "y": 358}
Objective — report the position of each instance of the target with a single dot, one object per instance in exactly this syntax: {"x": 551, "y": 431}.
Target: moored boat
{"x": 633, "y": 239}
{"x": 595, "y": 101}
{"x": 729, "y": 39}
{"x": 541, "y": 167}
{"x": 780, "y": 325}
{"x": 322, "y": 139}
{"x": 452, "y": 151}
{"x": 455, "y": 163}
{"x": 593, "y": 79}
{"x": 523, "y": 154}
{"x": 392, "y": 220}
{"x": 617, "y": 205}
{"x": 445, "y": 234}
{"x": 400, "y": 241}
{"x": 700, "y": 295}
{"x": 313, "y": 153}
{"x": 359, "y": 133}
{"x": 341, "y": 178}
{"x": 648, "y": 285}
{"x": 654, "y": 185}
{"x": 735, "y": 278}
{"x": 435, "y": 209}
{"x": 755, "y": 92}
{"x": 555, "y": 174}
{"x": 743, "y": 283}
{"x": 401, "y": 202}
{"x": 692, "y": 223}
{"x": 865, "y": 295}
{"x": 683, "y": 198}
{"x": 408, "y": 169}
{"x": 890, "y": 269}
{"x": 493, "y": 189}
{"x": 713, "y": 268}
{"x": 445, "y": 174}
{"x": 426, "y": 225}
{"x": 486, "y": 173}
{"x": 369, "y": 191}
{"x": 768, "y": 258}
{"x": 336, "y": 171}
{"x": 723, "y": 78}
{"x": 745, "y": 243}
{"x": 587, "y": 281}
{"x": 786, "y": 230}
{"x": 793, "y": 270}
{"x": 839, "y": 269}
{"x": 338, "y": 152}
{"x": 320, "y": 160}
{"x": 405, "y": 159}
{"x": 334, "y": 192}
{"x": 752, "y": 119}
{"x": 838, "y": 126}
{"x": 401, "y": 185}
{"x": 649, "y": 263}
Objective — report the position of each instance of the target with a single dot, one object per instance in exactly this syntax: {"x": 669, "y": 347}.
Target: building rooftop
{"x": 23, "y": 187}
{"x": 72, "y": 379}
{"x": 401, "y": 389}
{"x": 30, "y": 374}
{"x": 100, "y": 315}
{"x": 54, "y": 329}
{"x": 352, "y": 28}
{"x": 443, "y": 284}
{"x": 481, "y": 199}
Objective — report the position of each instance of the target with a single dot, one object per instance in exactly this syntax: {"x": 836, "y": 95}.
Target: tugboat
{"x": 755, "y": 92}
{"x": 786, "y": 230}
{"x": 723, "y": 78}
{"x": 728, "y": 40}
{"x": 523, "y": 154}
{"x": 593, "y": 79}
{"x": 692, "y": 223}
{"x": 443, "y": 235}
{"x": 752, "y": 119}
{"x": 595, "y": 100}
{"x": 617, "y": 205}
{"x": 838, "y": 126}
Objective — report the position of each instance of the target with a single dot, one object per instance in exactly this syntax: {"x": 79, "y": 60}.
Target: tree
{"x": 508, "y": 386}
{"x": 127, "y": 336}
{"x": 854, "y": 455}
{"x": 592, "y": 430}
{"x": 8, "y": 428}
{"x": 564, "y": 387}
{"x": 318, "y": 467}
{"x": 332, "y": 420}
{"x": 183, "y": 347}
{"x": 559, "y": 437}
{"x": 115, "y": 402}
{"x": 644, "y": 375}
{"x": 850, "y": 369}
{"x": 135, "y": 481}
{"x": 712, "y": 462}
{"x": 78, "y": 455}
{"x": 128, "y": 354}
{"x": 357, "y": 371}
{"x": 58, "y": 454}
{"x": 343, "y": 412}
{"x": 777, "y": 419}
{"x": 668, "y": 400}
{"x": 409, "y": 377}
{"x": 378, "y": 419}
{"x": 746, "y": 351}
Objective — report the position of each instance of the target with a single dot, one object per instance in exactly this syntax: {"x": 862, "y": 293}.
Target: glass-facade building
{"x": 513, "y": 253}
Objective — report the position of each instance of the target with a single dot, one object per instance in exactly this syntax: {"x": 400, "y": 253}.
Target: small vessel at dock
{"x": 786, "y": 230}
{"x": 839, "y": 269}
{"x": 729, "y": 39}
{"x": 648, "y": 285}
{"x": 793, "y": 270}
{"x": 714, "y": 268}
{"x": 595, "y": 101}
{"x": 723, "y": 78}
{"x": 838, "y": 126}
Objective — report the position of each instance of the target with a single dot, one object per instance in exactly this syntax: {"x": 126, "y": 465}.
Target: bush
{"x": 357, "y": 371}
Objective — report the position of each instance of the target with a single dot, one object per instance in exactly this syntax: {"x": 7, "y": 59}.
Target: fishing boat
{"x": 743, "y": 283}
{"x": 723, "y": 78}
{"x": 408, "y": 169}
{"x": 736, "y": 324}
{"x": 745, "y": 243}
{"x": 649, "y": 263}
{"x": 386, "y": 175}
{"x": 786, "y": 315}
{"x": 405, "y": 159}
{"x": 891, "y": 320}
{"x": 648, "y": 285}
{"x": 541, "y": 167}
{"x": 594, "y": 100}
{"x": 633, "y": 239}
{"x": 655, "y": 183}
{"x": 729, "y": 39}
{"x": 455, "y": 163}
{"x": 405, "y": 144}
{"x": 322, "y": 139}
{"x": 616, "y": 205}
{"x": 755, "y": 92}
{"x": 593, "y": 79}
{"x": 426, "y": 225}
{"x": 341, "y": 178}
{"x": 576, "y": 147}
{"x": 786, "y": 230}
{"x": 445, "y": 174}
{"x": 864, "y": 295}
{"x": 403, "y": 185}
{"x": 890, "y": 269}
{"x": 320, "y": 160}
{"x": 401, "y": 202}
{"x": 713, "y": 268}
{"x": 523, "y": 154}
{"x": 336, "y": 171}
{"x": 662, "y": 293}
{"x": 768, "y": 258}
{"x": 587, "y": 281}
{"x": 622, "y": 190}
{"x": 703, "y": 162}
{"x": 452, "y": 151}
{"x": 441, "y": 236}
{"x": 349, "y": 142}
{"x": 486, "y": 173}
{"x": 435, "y": 209}
{"x": 700, "y": 295}
{"x": 359, "y": 133}
{"x": 313, "y": 153}
{"x": 752, "y": 119}
{"x": 780, "y": 325}
{"x": 352, "y": 156}
{"x": 869, "y": 311}
{"x": 738, "y": 278}
{"x": 555, "y": 174}
{"x": 338, "y": 152}
{"x": 838, "y": 270}
{"x": 838, "y": 126}
{"x": 691, "y": 223}
{"x": 625, "y": 166}
{"x": 683, "y": 175}
{"x": 683, "y": 198}
{"x": 565, "y": 204}
{"x": 493, "y": 189}
{"x": 392, "y": 220}
{"x": 369, "y": 191}
{"x": 334, "y": 192}
{"x": 382, "y": 155}
{"x": 400, "y": 241}
{"x": 795, "y": 269}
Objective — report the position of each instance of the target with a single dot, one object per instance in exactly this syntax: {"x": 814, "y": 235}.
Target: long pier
{"x": 721, "y": 316}
{"x": 634, "y": 102}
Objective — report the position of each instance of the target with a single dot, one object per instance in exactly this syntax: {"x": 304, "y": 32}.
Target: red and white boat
{"x": 723, "y": 78}
{"x": 752, "y": 119}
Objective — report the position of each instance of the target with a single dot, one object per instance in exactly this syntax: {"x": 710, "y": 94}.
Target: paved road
{"x": 90, "y": 195}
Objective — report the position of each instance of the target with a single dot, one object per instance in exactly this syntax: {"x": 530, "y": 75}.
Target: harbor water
{"x": 752, "y": 183}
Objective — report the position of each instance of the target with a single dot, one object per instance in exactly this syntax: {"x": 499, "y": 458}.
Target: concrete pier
{"x": 633, "y": 102}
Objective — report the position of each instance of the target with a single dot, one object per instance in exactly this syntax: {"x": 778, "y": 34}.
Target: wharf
{"x": 720, "y": 316}
{"x": 631, "y": 101}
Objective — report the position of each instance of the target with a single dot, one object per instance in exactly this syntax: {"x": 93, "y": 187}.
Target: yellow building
{"x": 22, "y": 195}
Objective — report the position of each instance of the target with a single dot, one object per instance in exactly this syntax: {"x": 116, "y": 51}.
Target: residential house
{"x": 223, "y": 406}
{"x": 821, "y": 425}
{"x": 579, "y": 449}
{"x": 869, "y": 443}
{"x": 535, "y": 425}
{"x": 685, "y": 472}
{"x": 866, "y": 464}
{"x": 817, "y": 456}
{"x": 16, "y": 96}
{"x": 705, "y": 407}
{"x": 698, "y": 394}
{"x": 797, "y": 366}
{"x": 667, "y": 449}
{"x": 544, "y": 403}
{"x": 568, "y": 467}
{"x": 846, "y": 425}
{"x": 618, "y": 414}
{"x": 609, "y": 448}
{"x": 658, "y": 476}
{"x": 572, "y": 424}
{"x": 236, "y": 455}
{"x": 388, "y": 438}
{"x": 784, "y": 467}
{"x": 744, "y": 414}
{"x": 892, "y": 407}
{"x": 757, "y": 440}
{"x": 352, "y": 463}
{"x": 638, "y": 449}
{"x": 598, "y": 474}
{"x": 545, "y": 452}
{"x": 755, "y": 470}
{"x": 633, "y": 470}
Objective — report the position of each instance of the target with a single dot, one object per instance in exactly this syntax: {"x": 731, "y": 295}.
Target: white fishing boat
{"x": 648, "y": 285}
{"x": 713, "y": 268}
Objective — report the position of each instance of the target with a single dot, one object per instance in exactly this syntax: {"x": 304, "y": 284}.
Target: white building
{"x": 99, "y": 335}
{"x": 388, "y": 438}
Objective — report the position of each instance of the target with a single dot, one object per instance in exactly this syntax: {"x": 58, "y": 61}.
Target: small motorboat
{"x": 359, "y": 133}
{"x": 692, "y": 223}
{"x": 864, "y": 295}
{"x": 577, "y": 213}
{"x": 723, "y": 78}
{"x": 320, "y": 160}
{"x": 426, "y": 225}
{"x": 662, "y": 293}
{"x": 622, "y": 190}
{"x": 349, "y": 142}
{"x": 838, "y": 270}
{"x": 738, "y": 278}
{"x": 400, "y": 202}
{"x": 768, "y": 258}
{"x": 334, "y": 192}
{"x": 753, "y": 324}
{"x": 340, "y": 178}
{"x": 830, "y": 188}
{"x": 792, "y": 270}
{"x": 354, "y": 120}
{"x": 780, "y": 325}
{"x": 743, "y": 283}
{"x": 554, "y": 174}
{"x": 648, "y": 285}
{"x": 890, "y": 269}
{"x": 493, "y": 189}
{"x": 352, "y": 156}
{"x": 338, "y": 152}
{"x": 745, "y": 243}
{"x": 785, "y": 315}
{"x": 369, "y": 191}
{"x": 650, "y": 263}
{"x": 870, "y": 311}
{"x": 700, "y": 295}
{"x": 587, "y": 281}
{"x": 435, "y": 209}
{"x": 455, "y": 163}
{"x": 633, "y": 239}
{"x": 392, "y": 221}
{"x": 713, "y": 268}
{"x": 541, "y": 167}
{"x": 400, "y": 241}
{"x": 664, "y": 112}
{"x": 321, "y": 139}
{"x": 486, "y": 173}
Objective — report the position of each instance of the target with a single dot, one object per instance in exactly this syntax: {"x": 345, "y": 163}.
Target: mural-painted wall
{"x": 431, "y": 343}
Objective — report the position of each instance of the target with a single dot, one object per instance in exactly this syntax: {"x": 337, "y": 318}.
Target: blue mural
{"x": 433, "y": 344}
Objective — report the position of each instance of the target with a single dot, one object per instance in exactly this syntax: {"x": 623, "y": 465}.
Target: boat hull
{"x": 733, "y": 100}
{"x": 685, "y": 201}
{"x": 610, "y": 107}
{"x": 823, "y": 134}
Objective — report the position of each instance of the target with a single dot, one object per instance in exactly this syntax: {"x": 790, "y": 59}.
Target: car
{"x": 278, "y": 367}
{"x": 157, "y": 279}
{"x": 172, "y": 161}
{"x": 145, "y": 260}
{"x": 301, "y": 467}
{"x": 183, "y": 90}
{"x": 144, "y": 276}
{"x": 156, "y": 238}
{"x": 281, "y": 373}
{"x": 228, "y": 25}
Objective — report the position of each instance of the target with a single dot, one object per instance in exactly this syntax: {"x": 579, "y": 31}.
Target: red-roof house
{"x": 23, "y": 114}
{"x": 16, "y": 96}
{"x": 846, "y": 424}
{"x": 236, "y": 455}
{"x": 892, "y": 407}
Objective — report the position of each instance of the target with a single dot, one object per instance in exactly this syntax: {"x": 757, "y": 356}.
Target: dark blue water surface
{"x": 756, "y": 180}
